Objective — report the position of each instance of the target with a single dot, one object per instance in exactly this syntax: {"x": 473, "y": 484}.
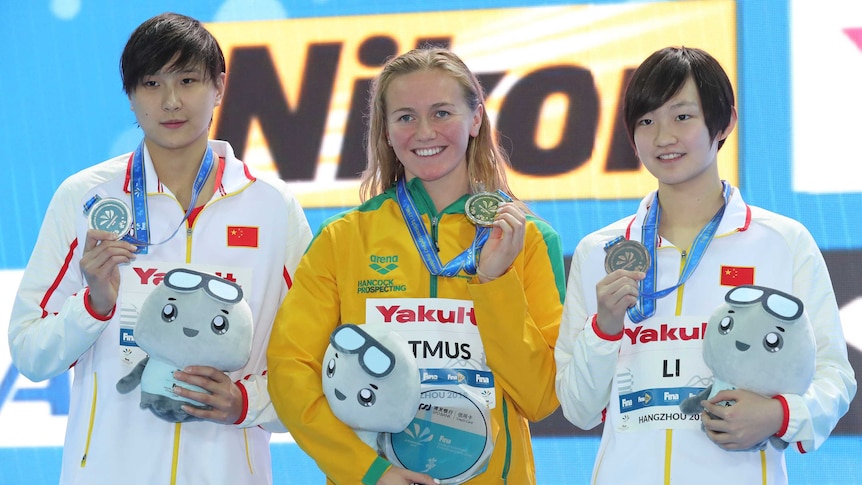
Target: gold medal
{"x": 626, "y": 254}
{"x": 481, "y": 208}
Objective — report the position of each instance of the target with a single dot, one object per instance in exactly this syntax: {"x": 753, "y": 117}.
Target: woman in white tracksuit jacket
{"x": 242, "y": 228}
{"x": 618, "y": 368}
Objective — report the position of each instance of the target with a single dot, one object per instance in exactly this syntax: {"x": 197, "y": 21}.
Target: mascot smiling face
{"x": 195, "y": 318}
{"x": 191, "y": 318}
{"x": 761, "y": 340}
{"x": 370, "y": 379}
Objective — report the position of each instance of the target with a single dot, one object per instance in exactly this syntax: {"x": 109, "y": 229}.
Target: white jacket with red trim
{"x": 751, "y": 244}
{"x": 109, "y": 438}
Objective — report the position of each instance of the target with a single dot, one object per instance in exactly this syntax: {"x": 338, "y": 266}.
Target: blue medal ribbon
{"x": 645, "y": 306}
{"x": 139, "y": 198}
{"x": 467, "y": 260}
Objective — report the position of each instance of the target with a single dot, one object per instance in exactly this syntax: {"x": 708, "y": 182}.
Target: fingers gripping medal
{"x": 481, "y": 208}
{"x": 626, "y": 254}
{"x": 110, "y": 214}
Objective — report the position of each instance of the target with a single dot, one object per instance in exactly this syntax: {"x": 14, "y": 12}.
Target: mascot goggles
{"x": 376, "y": 359}
{"x": 776, "y": 303}
{"x": 185, "y": 280}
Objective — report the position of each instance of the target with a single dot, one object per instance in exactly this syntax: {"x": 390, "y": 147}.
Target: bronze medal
{"x": 626, "y": 254}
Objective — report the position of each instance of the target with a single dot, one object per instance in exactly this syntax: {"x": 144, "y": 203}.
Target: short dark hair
{"x": 169, "y": 38}
{"x": 663, "y": 74}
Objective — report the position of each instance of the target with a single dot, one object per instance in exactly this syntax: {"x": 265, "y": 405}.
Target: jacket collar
{"x": 736, "y": 218}
{"x": 231, "y": 174}
{"x": 423, "y": 201}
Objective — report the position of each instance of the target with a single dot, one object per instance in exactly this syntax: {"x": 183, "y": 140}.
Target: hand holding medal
{"x": 619, "y": 290}
{"x": 626, "y": 254}
{"x": 493, "y": 211}
{"x": 105, "y": 251}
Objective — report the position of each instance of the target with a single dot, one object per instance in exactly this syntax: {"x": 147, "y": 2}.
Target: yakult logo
{"x": 665, "y": 333}
{"x": 152, "y": 276}
{"x": 421, "y": 313}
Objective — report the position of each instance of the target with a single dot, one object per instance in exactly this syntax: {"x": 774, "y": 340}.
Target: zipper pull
{"x": 434, "y": 233}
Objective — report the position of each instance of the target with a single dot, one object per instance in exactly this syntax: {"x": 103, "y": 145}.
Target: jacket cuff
{"x": 602, "y": 335}
{"x": 785, "y": 420}
{"x": 793, "y": 429}
{"x": 244, "y": 412}
{"x": 93, "y": 313}
{"x": 375, "y": 471}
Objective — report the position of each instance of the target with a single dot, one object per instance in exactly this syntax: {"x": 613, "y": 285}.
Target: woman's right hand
{"x": 615, "y": 293}
{"x": 103, "y": 254}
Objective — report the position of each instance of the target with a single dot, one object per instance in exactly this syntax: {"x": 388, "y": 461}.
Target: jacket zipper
{"x": 681, "y": 289}
{"x": 508, "y": 460}
{"x": 92, "y": 420}
{"x": 189, "y": 244}
{"x": 175, "y": 460}
{"x": 248, "y": 451}
{"x": 434, "y": 222}
{"x": 669, "y": 433}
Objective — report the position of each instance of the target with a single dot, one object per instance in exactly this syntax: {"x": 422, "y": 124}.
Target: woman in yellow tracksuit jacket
{"x": 429, "y": 134}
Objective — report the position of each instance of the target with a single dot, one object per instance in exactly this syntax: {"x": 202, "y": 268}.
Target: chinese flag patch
{"x": 242, "y": 236}
{"x": 737, "y": 275}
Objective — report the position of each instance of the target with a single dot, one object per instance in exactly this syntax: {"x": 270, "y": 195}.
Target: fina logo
{"x": 127, "y": 337}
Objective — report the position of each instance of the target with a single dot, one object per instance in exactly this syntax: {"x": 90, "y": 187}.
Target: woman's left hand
{"x": 223, "y": 396}
{"x": 750, "y": 420}
{"x": 504, "y": 244}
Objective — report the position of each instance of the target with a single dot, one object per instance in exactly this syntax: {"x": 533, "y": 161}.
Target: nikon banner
{"x": 297, "y": 90}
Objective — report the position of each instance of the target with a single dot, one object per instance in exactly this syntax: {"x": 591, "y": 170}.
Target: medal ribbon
{"x": 647, "y": 296}
{"x": 139, "y": 198}
{"x": 467, "y": 260}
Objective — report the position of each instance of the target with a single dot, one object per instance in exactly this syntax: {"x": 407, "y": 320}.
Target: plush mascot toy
{"x": 191, "y": 318}
{"x": 370, "y": 380}
{"x": 759, "y": 340}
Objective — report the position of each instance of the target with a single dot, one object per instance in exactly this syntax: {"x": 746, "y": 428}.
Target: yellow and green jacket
{"x": 368, "y": 252}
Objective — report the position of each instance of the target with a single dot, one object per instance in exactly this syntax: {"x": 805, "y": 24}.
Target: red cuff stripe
{"x": 244, "y": 412}
{"x": 92, "y": 312}
{"x": 786, "y": 419}
{"x": 601, "y": 334}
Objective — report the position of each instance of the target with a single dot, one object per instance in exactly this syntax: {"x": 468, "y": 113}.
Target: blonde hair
{"x": 487, "y": 162}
